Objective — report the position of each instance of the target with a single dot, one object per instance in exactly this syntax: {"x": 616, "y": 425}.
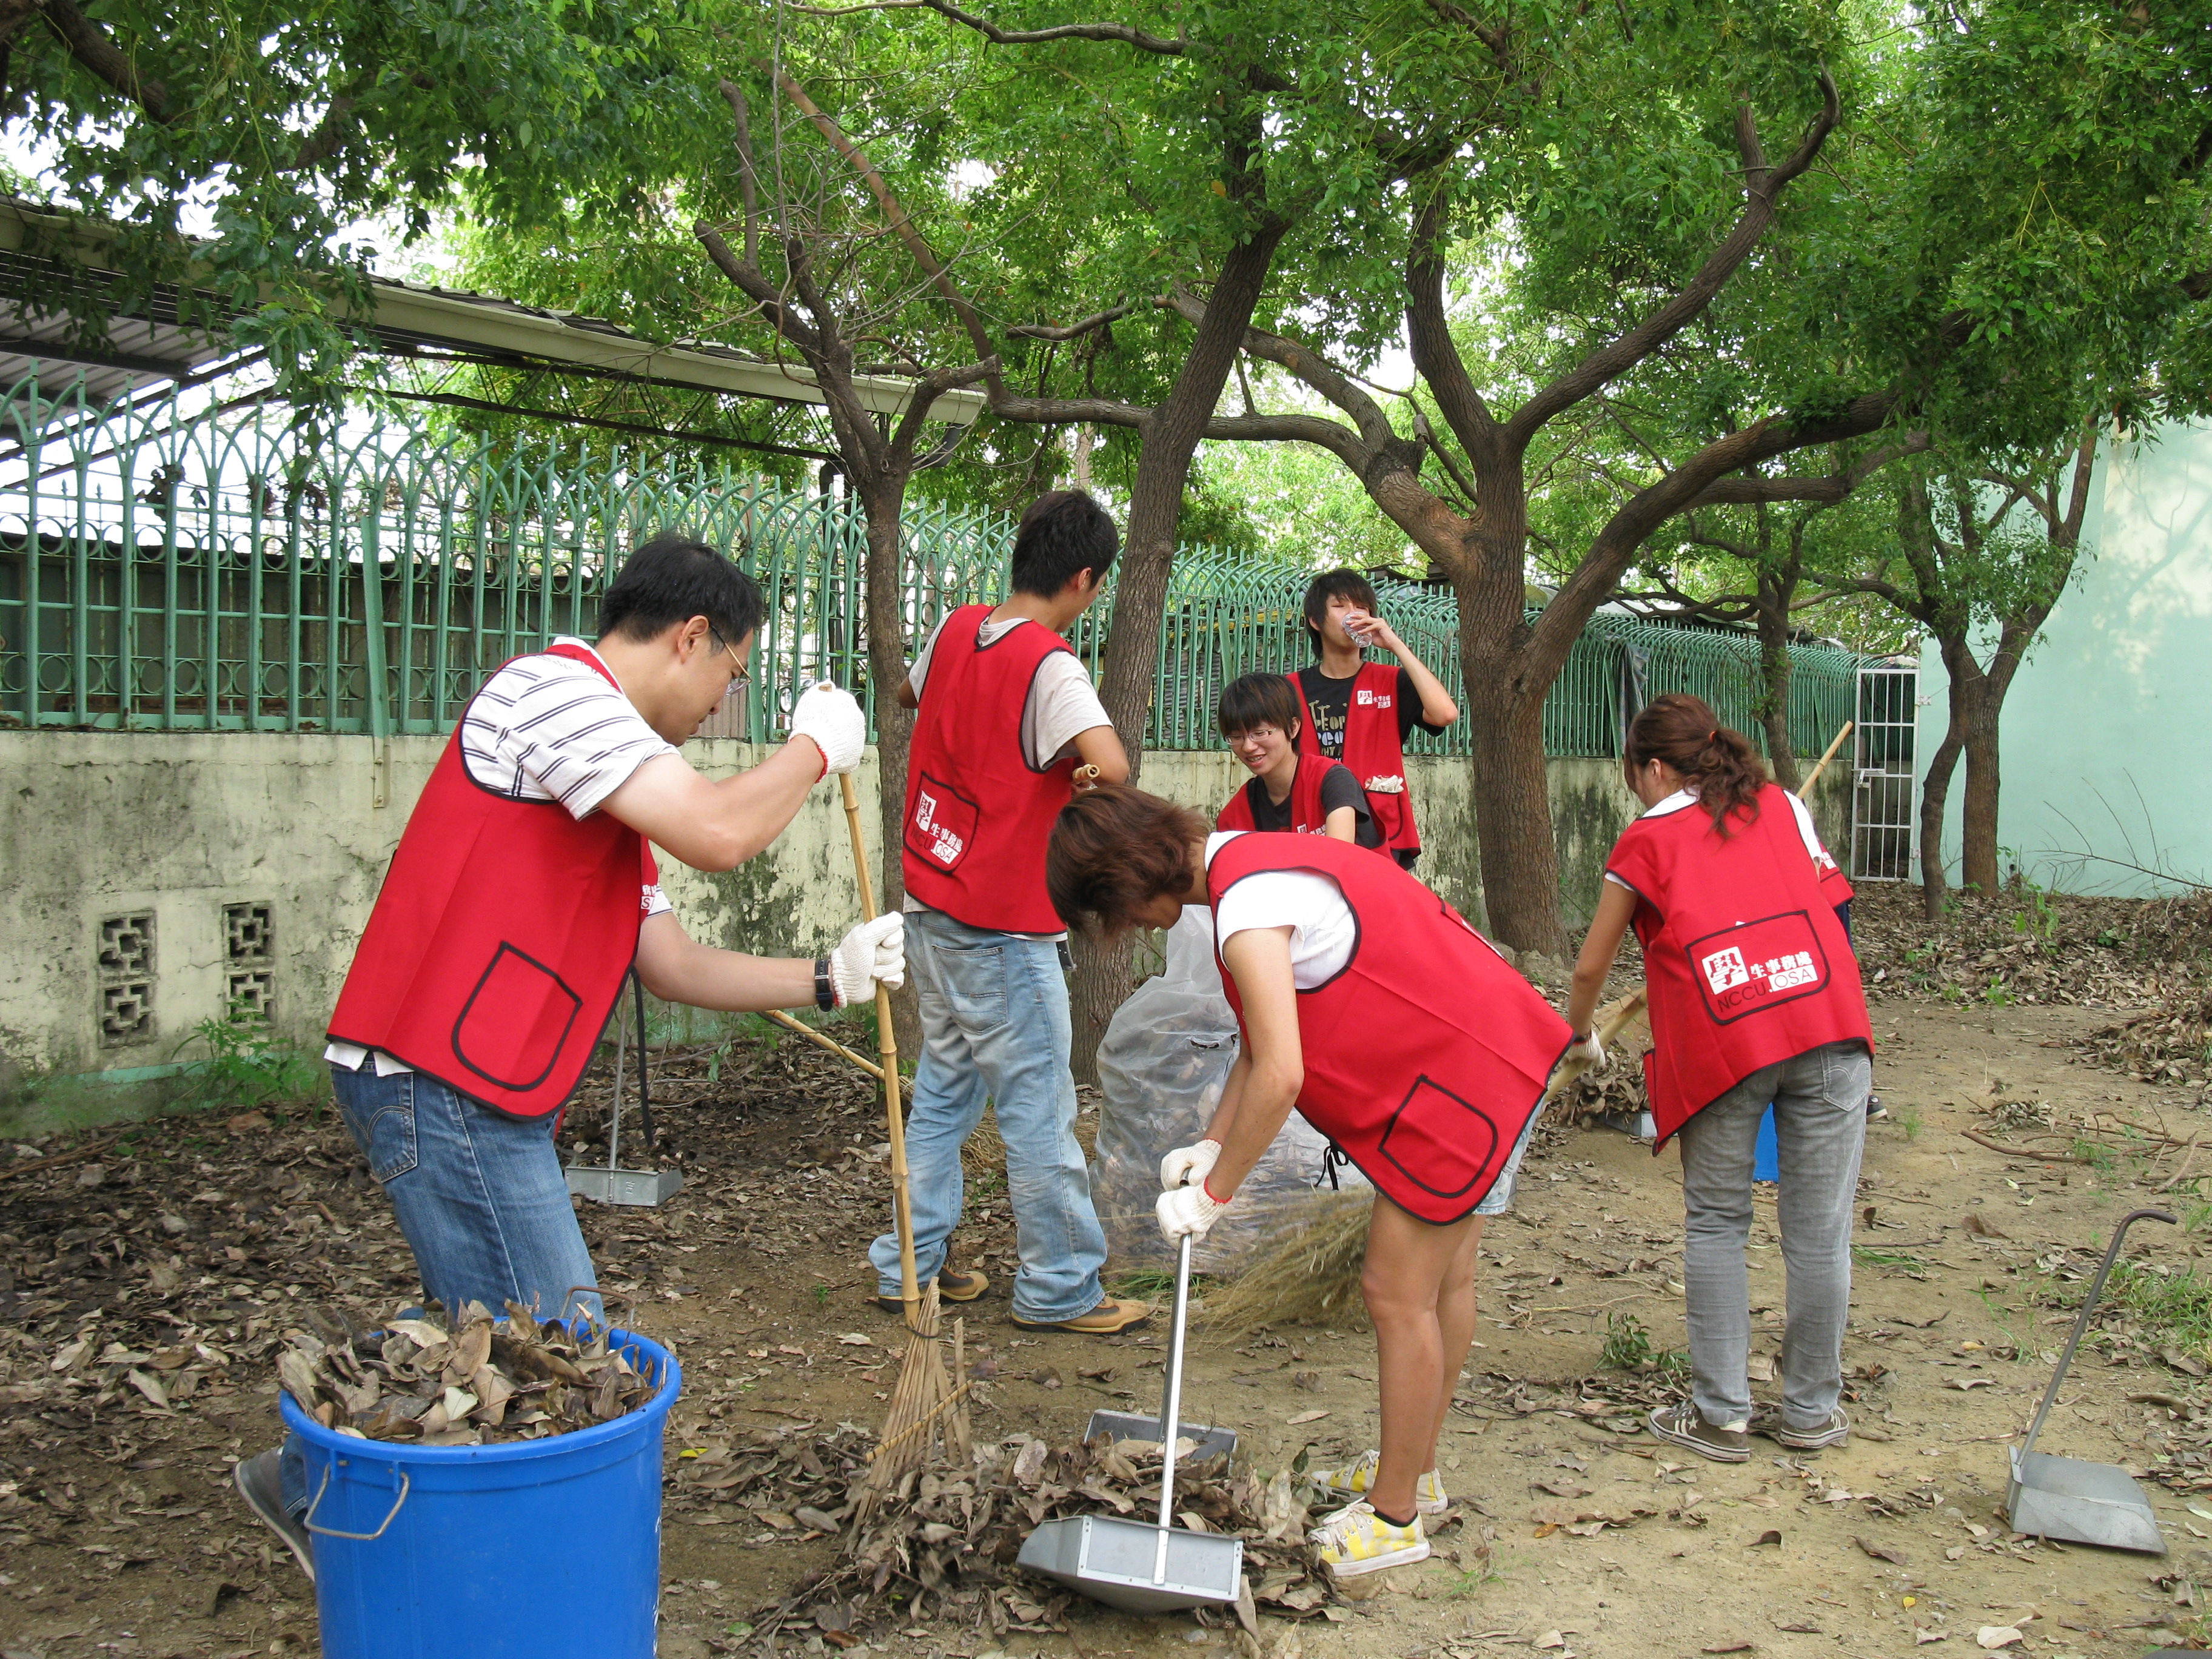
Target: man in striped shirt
{"x": 522, "y": 894}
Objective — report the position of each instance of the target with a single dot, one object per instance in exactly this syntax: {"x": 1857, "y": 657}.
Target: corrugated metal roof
{"x": 411, "y": 320}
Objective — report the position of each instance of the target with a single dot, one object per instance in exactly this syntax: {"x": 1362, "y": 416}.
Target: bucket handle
{"x": 406, "y": 1482}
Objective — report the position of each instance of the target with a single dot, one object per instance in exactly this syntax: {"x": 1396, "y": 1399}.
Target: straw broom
{"x": 1315, "y": 1267}
{"x": 925, "y": 1404}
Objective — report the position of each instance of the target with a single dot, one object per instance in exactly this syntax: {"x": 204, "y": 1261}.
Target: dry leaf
{"x": 1770, "y": 1536}
{"x": 1879, "y": 1552}
{"x": 1993, "y": 1637}
{"x": 1314, "y": 1416}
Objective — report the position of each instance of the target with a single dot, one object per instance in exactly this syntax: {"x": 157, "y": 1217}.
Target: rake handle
{"x": 887, "y": 1052}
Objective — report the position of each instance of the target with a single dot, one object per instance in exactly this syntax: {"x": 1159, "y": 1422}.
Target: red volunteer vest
{"x": 977, "y": 815}
{"x": 1427, "y": 1056}
{"x": 1372, "y": 750}
{"x": 1308, "y": 815}
{"x": 500, "y": 939}
{"x": 1744, "y": 960}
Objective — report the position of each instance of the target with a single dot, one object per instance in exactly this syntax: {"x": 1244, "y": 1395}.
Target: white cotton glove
{"x": 1588, "y": 1046}
{"x": 1189, "y": 1210}
{"x": 832, "y": 718}
{"x": 1186, "y": 1166}
{"x": 874, "y": 951}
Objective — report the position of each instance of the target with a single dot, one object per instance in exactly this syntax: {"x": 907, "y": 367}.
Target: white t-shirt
{"x": 547, "y": 728}
{"x": 1062, "y": 704}
{"x": 1823, "y": 865}
{"x": 1323, "y": 930}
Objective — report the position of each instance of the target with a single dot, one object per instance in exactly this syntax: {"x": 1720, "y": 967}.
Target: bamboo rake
{"x": 924, "y": 1401}
{"x": 894, "y": 1105}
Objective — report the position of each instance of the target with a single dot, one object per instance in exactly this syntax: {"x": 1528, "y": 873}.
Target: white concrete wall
{"x": 2090, "y": 729}
{"x": 178, "y": 825}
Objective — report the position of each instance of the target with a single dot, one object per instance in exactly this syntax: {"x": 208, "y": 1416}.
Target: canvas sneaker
{"x": 1354, "y": 1480}
{"x": 260, "y": 1483}
{"x": 1836, "y": 1431}
{"x": 1355, "y": 1539}
{"x": 1681, "y": 1424}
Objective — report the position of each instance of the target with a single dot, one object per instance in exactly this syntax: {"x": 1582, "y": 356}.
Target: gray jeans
{"x": 1819, "y": 1122}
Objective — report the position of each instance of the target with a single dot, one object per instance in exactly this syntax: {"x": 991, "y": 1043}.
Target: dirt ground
{"x": 143, "y": 1290}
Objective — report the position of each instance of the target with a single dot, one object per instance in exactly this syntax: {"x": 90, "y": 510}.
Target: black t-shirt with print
{"x": 1339, "y": 787}
{"x": 1330, "y": 700}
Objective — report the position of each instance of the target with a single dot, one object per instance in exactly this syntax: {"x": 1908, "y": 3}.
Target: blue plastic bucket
{"x": 535, "y": 1549}
{"x": 1766, "y": 1153}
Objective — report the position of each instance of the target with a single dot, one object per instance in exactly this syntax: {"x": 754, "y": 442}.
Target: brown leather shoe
{"x": 1110, "y": 1318}
{"x": 953, "y": 1284}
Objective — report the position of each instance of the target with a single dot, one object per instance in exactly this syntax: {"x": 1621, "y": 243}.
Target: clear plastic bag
{"x": 1161, "y": 1066}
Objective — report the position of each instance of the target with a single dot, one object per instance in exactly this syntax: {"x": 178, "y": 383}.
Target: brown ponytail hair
{"x": 1715, "y": 761}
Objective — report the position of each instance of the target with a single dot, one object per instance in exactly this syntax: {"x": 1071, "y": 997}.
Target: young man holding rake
{"x": 1009, "y": 726}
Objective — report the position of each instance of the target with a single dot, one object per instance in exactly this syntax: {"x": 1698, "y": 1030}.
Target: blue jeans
{"x": 995, "y": 1027}
{"x": 1820, "y": 1123}
{"x": 481, "y": 1197}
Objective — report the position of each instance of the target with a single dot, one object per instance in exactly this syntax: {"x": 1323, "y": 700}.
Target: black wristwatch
{"x": 825, "y": 993}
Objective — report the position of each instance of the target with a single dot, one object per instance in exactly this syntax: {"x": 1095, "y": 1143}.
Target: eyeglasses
{"x": 743, "y": 676}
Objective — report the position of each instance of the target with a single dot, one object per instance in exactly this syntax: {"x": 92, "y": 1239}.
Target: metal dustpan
{"x": 639, "y": 1188}
{"x": 1160, "y": 1568}
{"x": 2067, "y": 1498}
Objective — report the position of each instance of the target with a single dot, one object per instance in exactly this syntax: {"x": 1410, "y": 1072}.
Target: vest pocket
{"x": 1439, "y": 1141}
{"x": 942, "y": 826}
{"x": 513, "y": 1025}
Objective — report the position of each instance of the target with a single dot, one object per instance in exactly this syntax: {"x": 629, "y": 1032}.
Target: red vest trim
{"x": 978, "y": 814}
{"x": 1431, "y": 1115}
{"x": 1308, "y": 815}
{"x": 500, "y": 939}
{"x": 1373, "y": 750}
{"x": 1746, "y": 962}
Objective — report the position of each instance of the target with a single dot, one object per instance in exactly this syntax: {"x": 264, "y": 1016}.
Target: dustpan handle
{"x": 2089, "y": 1309}
{"x": 1171, "y": 1410}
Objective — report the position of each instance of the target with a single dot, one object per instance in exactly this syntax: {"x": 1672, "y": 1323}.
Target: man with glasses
{"x": 523, "y": 892}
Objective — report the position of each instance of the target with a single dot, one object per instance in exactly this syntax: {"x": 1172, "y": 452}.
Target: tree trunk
{"x": 1170, "y": 437}
{"x": 884, "y": 502}
{"x": 1774, "y": 668}
{"x": 1516, "y": 853}
{"x": 1966, "y": 696}
{"x": 1977, "y": 862}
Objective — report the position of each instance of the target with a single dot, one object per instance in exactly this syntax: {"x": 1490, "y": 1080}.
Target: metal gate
{"x": 1884, "y": 819}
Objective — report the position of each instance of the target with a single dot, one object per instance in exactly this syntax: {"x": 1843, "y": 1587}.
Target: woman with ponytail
{"x": 1755, "y": 998}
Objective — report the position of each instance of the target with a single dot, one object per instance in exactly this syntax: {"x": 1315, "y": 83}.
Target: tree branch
{"x": 1039, "y": 331}
{"x": 927, "y": 391}
{"x": 1262, "y": 79}
{"x": 89, "y": 45}
{"x": 1762, "y": 184}
{"x": 901, "y": 224}
{"x": 1435, "y": 358}
{"x": 1307, "y": 365}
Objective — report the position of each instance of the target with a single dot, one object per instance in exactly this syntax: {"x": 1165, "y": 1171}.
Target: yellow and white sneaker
{"x": 1356, "y": 1539}
{"x": 1355, "y": 1481}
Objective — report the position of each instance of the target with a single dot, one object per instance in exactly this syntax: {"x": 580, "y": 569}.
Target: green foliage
{"x": 282, "y": 129}
{"x": 240, "y": 1062}
{"x": 2167, "y": 1306}
{"x": 1628, "y": 1348}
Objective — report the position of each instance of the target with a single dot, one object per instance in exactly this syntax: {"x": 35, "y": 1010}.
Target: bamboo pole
{"x": 887, "y": 1050}
{"x": 1822, "y": 765}
{"x": 800, "y": 1028}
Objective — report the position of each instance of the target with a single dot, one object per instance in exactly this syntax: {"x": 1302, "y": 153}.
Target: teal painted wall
{"x": 2102, "y": 726}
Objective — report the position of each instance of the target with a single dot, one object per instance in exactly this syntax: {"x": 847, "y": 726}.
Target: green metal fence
{"x": 170, "y": 569}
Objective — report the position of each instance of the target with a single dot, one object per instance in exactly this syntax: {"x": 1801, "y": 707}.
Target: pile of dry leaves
{"x": 494, "y": 1380}
{"x": 945, "y": 1547}
{"x": 2170, "y": 1042}
{"x": 2032, "y": 946}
